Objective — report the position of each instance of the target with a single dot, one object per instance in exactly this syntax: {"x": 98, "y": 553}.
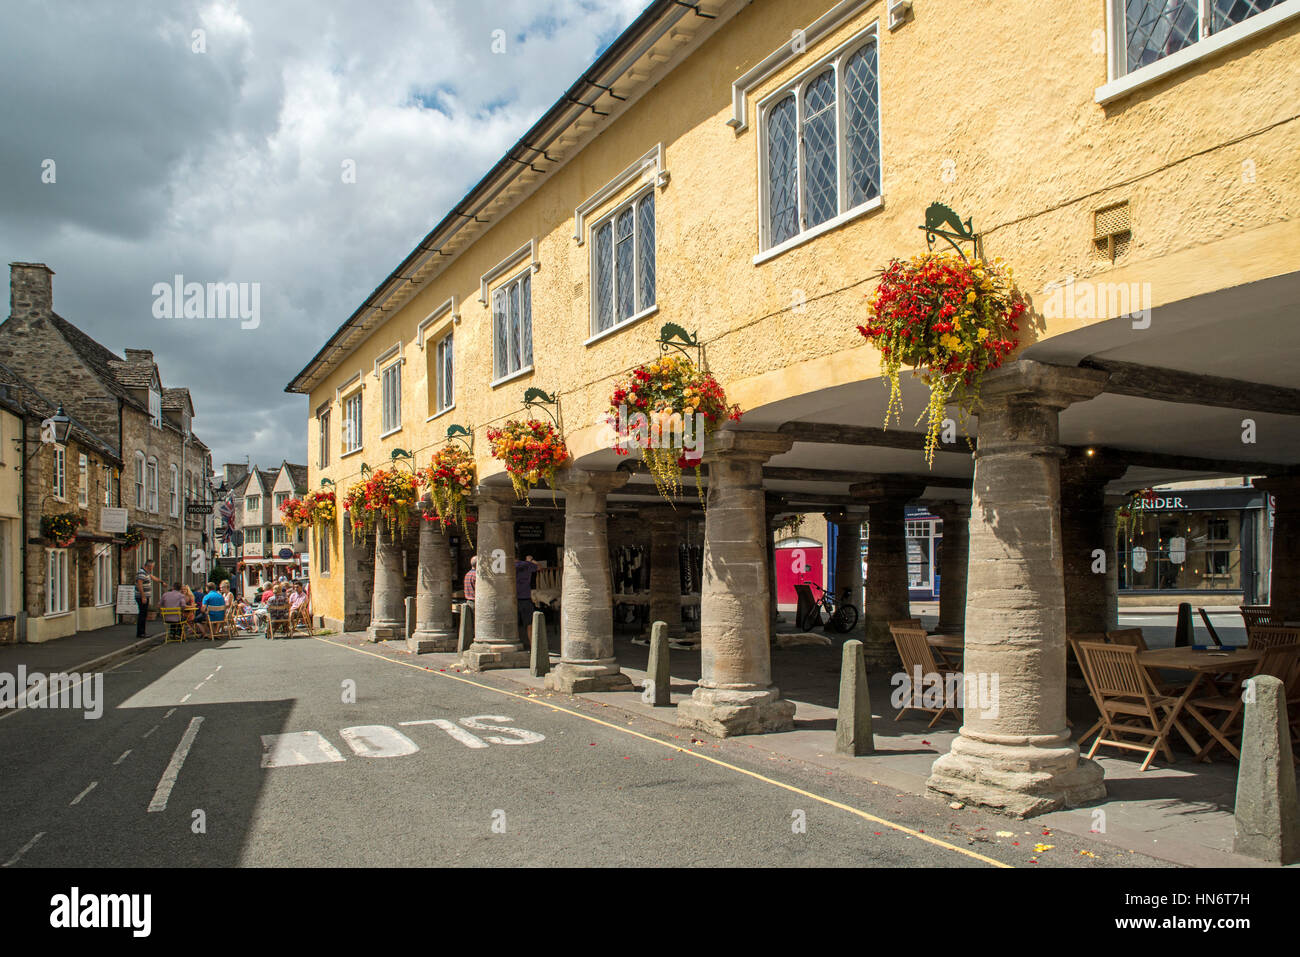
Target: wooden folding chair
{"x": 279, "y": 625}
{"x": 302, "y": 618}
{"x": 225, "y": 628}
{"x": 177, "y": 630}
{"x": 916, "y": 653}
{"x": 1074, "y": 641}
{"x": 1261, "y": 636}
{"x": 1253, "y": 615}
{"x": 1280, "y": 661}
{"x": 1129, "y": 703}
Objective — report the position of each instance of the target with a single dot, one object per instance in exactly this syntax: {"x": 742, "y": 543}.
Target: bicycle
{"x": 840, "y": 615}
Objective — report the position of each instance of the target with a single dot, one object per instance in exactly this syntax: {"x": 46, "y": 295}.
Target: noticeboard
{"x": 126, "y": 600}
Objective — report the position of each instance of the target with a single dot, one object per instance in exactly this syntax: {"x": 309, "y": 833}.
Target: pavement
{"x": 85, "y": 651}
{"x": 332, "y": 752}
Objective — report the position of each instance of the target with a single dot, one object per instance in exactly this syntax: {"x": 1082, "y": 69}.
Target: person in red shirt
{"x": 471, "y": 579}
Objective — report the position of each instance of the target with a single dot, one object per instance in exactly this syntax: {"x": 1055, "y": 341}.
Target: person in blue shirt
{"x": 214, "y": 603}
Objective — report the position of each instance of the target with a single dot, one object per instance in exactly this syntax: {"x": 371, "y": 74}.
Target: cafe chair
{"x": 1074, "y": 641}
{"x": 178, "y": 629}
{"x": 916, "y": 652}
{"x": 1271, "y": 636}
{"x": 1135, "y": 716}
{"x": 1280, "y": 661}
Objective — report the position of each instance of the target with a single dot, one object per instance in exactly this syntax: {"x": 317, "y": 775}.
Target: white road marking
{"x": 524, "y": 737}
{"x": 77, "y": 799}
{"x": 459, "y": 733}
{"x": 168, "y": 780}
{"x": 209, "y": 676}
{"x": 200, "y": 684}
{"x": 169, "y": 713}
{"x": 219, "y": 667}
{"x": 378, "y": 741}
{"x": 123, "y": 757}
{"x": 26, "y": 847}
{"x": 187, "y": 697}
{"x": 297, "y": 747}
{"x": 150, "y": 731}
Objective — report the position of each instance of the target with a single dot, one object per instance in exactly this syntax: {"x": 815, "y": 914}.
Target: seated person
{"x": 245, "y": 617}
{"x": 277, "y": 609}
{"x": 299, "y": 607}
{"x": 174, "y": 598}
{"x": 214, "y": 603}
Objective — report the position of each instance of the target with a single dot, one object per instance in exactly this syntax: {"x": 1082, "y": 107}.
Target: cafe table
{"x": 1211, "y": 661}
{"x": 950, "y": 648}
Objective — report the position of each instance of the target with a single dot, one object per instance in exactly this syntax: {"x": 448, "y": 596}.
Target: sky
{"x": 300, "y": 147}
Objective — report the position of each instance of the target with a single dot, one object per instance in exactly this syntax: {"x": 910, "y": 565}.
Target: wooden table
{"x": 1200, "y": 663}
{"x": 950, "y": 648}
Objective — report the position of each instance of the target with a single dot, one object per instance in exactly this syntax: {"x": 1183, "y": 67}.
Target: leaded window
{"x": 623, "y": 264}
{"x": 512, "y": 326}
{"x": 1153, "y": 29}
{"x": 821, "y": 144}
{"x": 445, "y": 383}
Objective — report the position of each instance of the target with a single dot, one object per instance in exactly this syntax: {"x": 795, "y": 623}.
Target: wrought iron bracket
{"x": 458, "y": 433}
{"x": 535, "y": 398}
{"x": 942, "y": 223}
{"x": 674, "y": 338}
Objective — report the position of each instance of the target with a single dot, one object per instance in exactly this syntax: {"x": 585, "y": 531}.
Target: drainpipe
{"x": 20, "y": 623}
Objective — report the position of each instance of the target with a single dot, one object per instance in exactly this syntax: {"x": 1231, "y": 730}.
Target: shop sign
{"x": 530, "y": 531}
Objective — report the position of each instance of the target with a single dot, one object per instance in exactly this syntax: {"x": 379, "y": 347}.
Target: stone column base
{"x": 1019, "y": 776}
{"x": 487, "y": 657}
{"x": 723, "y": 713}
{"x": 575, "y": 677}
{"x": 878, "y": 648}
{"x": 385, "y": 630}
{"x": 424, "y": 642}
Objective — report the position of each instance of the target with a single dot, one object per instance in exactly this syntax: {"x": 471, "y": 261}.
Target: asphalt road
{"x": 313, "y": 752}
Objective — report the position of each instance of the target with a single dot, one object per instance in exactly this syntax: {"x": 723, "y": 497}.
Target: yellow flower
{"x": 970, "y": 296}
{"x": 983, "y": 334}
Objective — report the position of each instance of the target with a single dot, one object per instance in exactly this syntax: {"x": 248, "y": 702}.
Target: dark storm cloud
{"x": 226, "y": 165}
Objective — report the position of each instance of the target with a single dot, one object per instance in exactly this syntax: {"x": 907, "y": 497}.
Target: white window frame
{"x": 353, "y": 424}
{"x": 59, "y": 478}
{"x": 503, "y": 287}
{"x": 104, "y": 583}
{"x": 253, "y": 535}
{"x": 253, "y": 503}
{"x": 57, "y": 600}
{"x": 175, "y": 492}
{"x": 323, "y": 435}
{"x": 441, "y": 385}
{"x": 280, "y": 535}
{"x": 279, "y": 499}
{"x": 1121, "y": 82}
{"x": 151, "y": 483}
{"x": 631, "y": 203}
{"x": 83, "y": 481}
{"x": 155, "y": 408}
{"x": 141, "y": 499}
{"x": 321, "y": 555}
{"x": 835, "y": 59}
{"x": 390, "y": 398}
{"x": 108, "y": 485}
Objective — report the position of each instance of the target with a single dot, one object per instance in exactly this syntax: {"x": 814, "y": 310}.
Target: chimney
{"x": 139, "y": 355}
{"x": 31, "y": 290}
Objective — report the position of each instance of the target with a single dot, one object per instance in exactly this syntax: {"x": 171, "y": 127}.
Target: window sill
{"x": 384, "y": 435}
{"x": 57, "y": 614}
{"x": 438, "y": 415}
{"x": 629, "y": 321}
{"x": 1200, "y": 50}
{"x": 527, "y": 370}
{"x": 355, "y": 451}
{"x": 807, "y": 235}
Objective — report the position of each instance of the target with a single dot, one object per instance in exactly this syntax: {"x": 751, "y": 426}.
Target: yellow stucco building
{"x": 745, "y": 170}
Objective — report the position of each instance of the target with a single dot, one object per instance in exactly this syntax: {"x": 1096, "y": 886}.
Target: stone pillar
{"x": 434, "y": 627}
{"x": 774, "y": 505}
{"x": 1110, "y": 536}
{"x": 388, "y": 609}
{"x": 1083, "y": 534}
{"x": 1014, "y": 751}
{"x": 1284, "y": 590}
{"x": 848, "y": 558}
{"x": 954, "y": 551}
{"x": 886, "y": 592}
{"x": 735, "y": 694}
{"x": 665, "y": 566}
{"x": 587, "y": 660}
{"x": 496, "y": 611}
{"x": 358, "y": 562}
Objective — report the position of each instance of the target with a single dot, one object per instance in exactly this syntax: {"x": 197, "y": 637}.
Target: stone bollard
{"x": 466, "y": 636}
{"x": 1266, "y": 819}
{"x": 410, "y": 619}
{"x": 658, "y": 682}
{"x": 540, "y": 663}
{"x": 853, "y": 725}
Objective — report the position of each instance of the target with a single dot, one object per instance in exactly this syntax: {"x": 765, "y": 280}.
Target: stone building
{"x": 711, "y": 173}
{"x": 120, "y": 398}
{"x": 258, "y": 495}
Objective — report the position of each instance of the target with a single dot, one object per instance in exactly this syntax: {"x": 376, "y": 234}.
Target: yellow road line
{"x": 695, "y": 754}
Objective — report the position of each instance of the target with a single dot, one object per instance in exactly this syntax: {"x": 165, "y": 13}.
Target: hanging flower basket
{"x": 392, "y": 495}
{"x": 531, "y": 451}
{"x": 450, "y": 479}
{"x": 295, "y": 514}
{"x": 360, "y": 518}
{"x": 1131, "y": 516}
{"x": 61, "y": 528}
{"x": 133, "y": 537}
{"x": 666, "y": 409}
{"x": 950, "y": 320}
{"x": 321, "y": 511}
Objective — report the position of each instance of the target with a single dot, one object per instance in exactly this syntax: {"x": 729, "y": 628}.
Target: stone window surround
{"x": 1120, "y": 83}
{"x": 649, "y": 167}
{"x": 869, "y": 34}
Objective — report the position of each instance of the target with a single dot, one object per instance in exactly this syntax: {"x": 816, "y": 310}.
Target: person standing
{"x": 524, "y": 593}
{"x": 144, "y": 579}
{"x": 471, "y": 579}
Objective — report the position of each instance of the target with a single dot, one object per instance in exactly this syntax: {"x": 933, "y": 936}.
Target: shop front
{"x": 1195, "y": 542}
{"x": 924, "y": 535}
